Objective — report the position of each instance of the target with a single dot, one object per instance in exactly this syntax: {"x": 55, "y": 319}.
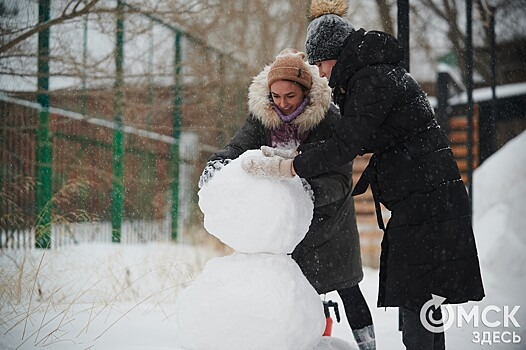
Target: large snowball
{"x": 252, "y": 214}
{"x": 250, "y": 302}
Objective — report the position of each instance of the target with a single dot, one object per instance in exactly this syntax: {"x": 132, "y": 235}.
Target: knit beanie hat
{"x": 327, "y": 30}
{"x": 290, "y": 64}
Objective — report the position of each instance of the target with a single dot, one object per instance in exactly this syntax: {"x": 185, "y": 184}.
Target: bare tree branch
{"x": 46, "y": 25}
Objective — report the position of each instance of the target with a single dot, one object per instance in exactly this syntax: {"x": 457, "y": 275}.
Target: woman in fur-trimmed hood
{"x": 290, "y": 105}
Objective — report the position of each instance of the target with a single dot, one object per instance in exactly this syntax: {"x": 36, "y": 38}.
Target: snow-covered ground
{"x": 107, "y": 296}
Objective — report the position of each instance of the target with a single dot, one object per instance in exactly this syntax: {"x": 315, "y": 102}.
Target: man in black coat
{"x": 329, "y": 255}
{"x": 428, "y": 246}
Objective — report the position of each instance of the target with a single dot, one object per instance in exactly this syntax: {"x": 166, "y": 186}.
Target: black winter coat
{"x": 329, "y": 255}
{"x": 428, "y": 246}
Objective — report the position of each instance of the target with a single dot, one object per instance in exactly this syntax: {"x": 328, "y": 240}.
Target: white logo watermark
{"x": 491, "y": 316}
{"x": 427, "y": 315}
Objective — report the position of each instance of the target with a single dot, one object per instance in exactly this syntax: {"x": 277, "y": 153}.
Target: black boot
{"x": 415, "y": 336}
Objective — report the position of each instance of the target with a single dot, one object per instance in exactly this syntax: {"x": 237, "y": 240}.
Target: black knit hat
{"x": 327, "y": 31}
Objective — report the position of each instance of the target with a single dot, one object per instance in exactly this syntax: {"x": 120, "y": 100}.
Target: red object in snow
{"x": 328, "y": 319}
{"x": 328, "y": 327}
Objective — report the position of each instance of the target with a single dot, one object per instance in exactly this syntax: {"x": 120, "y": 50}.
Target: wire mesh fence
{"x": 126, "y": 108}
{"x": 82, "y": 178}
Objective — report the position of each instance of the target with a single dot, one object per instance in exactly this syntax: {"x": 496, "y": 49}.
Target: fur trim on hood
{"x": 260, "y": 107}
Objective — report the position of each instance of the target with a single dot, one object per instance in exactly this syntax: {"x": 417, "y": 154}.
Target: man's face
{"x": 325, "y": 68}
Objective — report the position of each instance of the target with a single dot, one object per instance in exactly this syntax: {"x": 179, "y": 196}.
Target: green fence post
{"x": 118, "y": 135}
{"x": 44, "y": 149}
{"x": 177, "y": 104}
{"x": 150, "y": 93}
{"x": 84, "y": 99}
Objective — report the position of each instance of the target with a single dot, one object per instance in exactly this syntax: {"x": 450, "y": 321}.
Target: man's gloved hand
{"x": 273, "y": 166}
{"x": 210, "y": 169}
{"x": 284, "y": 153}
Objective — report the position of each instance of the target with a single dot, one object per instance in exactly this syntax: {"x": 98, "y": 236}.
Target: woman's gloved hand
{"x": 210, "y": 169}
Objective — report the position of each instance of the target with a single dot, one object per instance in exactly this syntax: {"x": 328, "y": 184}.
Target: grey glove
{"x": 281, "y": 152}
{"x": 210, "y": 169}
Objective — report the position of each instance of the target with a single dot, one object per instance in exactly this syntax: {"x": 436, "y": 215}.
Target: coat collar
{"x": 259, "y": 102}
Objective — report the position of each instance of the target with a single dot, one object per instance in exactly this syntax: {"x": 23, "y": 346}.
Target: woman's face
{"x": 286, "y": 95}
{"x": 325, "y": 68}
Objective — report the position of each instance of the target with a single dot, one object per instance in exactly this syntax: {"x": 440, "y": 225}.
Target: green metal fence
{"x": 81, "y": 182}
{"x": 113, "y": 144}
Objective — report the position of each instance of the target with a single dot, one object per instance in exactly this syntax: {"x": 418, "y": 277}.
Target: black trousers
{"x": 356, "y": 308}
{"x": 415, "y": 336}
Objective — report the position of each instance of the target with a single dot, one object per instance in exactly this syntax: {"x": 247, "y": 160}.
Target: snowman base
{"x": 250, "y": 302}
{"x": 326, "y": 343}
{"x": 333, "y": 343}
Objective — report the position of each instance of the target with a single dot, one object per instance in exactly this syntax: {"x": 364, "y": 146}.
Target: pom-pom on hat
{"x": 327, "y": 30}
{"x": 290, "y": 64}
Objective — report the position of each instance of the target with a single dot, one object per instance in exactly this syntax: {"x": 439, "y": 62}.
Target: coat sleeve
{"x": 334, "y": 185}
{"x": 368, "y": 102}
{"x": 331, "y": 186}
{"x": 251, "y": 136}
